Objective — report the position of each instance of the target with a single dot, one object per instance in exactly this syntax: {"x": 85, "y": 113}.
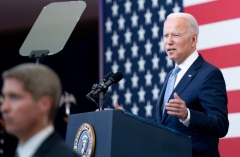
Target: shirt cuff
{"x": 187, "y": 120}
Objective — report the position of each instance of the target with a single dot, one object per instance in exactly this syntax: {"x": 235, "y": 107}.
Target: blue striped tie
{"x": 170, "y": 87}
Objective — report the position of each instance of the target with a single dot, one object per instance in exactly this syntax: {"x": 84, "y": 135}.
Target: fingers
{"x": 178, "y": 110}
{"x": 173, "y": 108}
{"x": 176, "y": 99}
{"x": 174, "y": 113}
{"x": 176, "y": 96}
{"x": 104, "y": 109}
{"x": 117, "y": 106}
{"x": 177, "y": 107}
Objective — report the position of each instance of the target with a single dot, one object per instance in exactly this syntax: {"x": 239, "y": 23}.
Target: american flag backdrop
{"x": 131, "y": 42}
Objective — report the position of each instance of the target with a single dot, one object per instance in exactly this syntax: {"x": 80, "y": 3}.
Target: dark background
{"x": 77, "y": 64}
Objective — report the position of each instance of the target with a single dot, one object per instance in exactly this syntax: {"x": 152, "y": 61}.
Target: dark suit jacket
{"x": 54, "y": 146}
{"x": 8, "y": 143}
{"x": 203, "y": 90}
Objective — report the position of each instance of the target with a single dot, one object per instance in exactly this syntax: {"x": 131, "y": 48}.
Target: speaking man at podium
{"x": 31, "y": 97}
{"x": 193, "y": 99}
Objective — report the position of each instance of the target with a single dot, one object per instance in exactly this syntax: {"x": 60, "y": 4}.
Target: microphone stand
{"x": 89, "y": 96}
{"x": 105, "y": 96}
{"x": 98, "y": 106}
{"x": 103, "y": 100}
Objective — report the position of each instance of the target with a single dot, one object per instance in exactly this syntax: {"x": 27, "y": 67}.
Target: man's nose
{"x": 169, "y": 40}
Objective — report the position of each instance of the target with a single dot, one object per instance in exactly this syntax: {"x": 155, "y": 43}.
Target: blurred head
{"x": 180, "y": 36}
{"x": 31, "y": 96}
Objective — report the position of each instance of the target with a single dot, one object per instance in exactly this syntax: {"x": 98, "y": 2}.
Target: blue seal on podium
{"x": 84, "y": 143}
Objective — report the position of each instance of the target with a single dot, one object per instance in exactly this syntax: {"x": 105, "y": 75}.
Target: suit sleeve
{"x": 213, "y": 99}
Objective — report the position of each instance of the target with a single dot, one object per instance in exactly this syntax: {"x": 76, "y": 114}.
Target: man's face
{"x": 19, "y": 109}
{"x": 178, "y": 42}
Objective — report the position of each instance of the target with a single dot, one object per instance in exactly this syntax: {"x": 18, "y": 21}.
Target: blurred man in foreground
{"x": 31, "y": 96}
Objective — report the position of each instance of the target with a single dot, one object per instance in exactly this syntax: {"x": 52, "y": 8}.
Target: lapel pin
{"x": 189, "y": 75}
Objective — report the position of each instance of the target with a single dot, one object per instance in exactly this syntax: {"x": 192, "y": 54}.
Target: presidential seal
{"x": 84, "y": 143}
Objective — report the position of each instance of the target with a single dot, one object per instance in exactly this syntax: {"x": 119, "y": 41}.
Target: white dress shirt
{"x": 30, "y": 146}
{"x": 185, "y": 65}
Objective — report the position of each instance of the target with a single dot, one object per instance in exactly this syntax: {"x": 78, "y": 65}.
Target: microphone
{"x": 112, "y": 80}
{"x": 106, "y": 77}
{"x": 95, "y": 86}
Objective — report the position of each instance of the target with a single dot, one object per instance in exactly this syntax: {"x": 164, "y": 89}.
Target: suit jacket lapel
{"x": 46, "y": 145}
{"x": 185, "y": 80}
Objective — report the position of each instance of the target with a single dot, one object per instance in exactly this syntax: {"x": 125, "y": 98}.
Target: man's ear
{"x": 194, "y": 39}
{"x": 45, "y": 104}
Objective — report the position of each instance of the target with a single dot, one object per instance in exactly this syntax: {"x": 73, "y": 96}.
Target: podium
{"x": 121, "y": 134}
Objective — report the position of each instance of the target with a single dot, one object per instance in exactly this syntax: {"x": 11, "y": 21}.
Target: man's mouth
{"x": 7, "y": 120}
{"x": 170, "y": 49}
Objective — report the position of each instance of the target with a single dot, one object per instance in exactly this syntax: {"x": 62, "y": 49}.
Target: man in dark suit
{"x": 196, "y": 103}
{"x": 31, "y": 97}
{"x": 197, "y": 106}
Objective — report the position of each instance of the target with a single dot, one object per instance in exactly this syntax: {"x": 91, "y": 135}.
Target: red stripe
{"x": 223, "y": 57}
{"x": 233, "y": 101}
{"x": 214, "y": 11}
{"x": 229, "y": 147}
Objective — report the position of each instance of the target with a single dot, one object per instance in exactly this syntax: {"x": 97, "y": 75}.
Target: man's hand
{"x": 117, "y": 106}
{"x": 177, "y": 107}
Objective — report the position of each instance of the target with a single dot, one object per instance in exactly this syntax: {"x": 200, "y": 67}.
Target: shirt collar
{"x": 30, "y": 147}
{"x": 188, "y": 61}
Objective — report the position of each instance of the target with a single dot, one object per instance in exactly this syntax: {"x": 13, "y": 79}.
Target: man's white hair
{"x": 192, "y": 22}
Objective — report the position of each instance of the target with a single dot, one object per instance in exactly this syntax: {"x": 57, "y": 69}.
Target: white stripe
{"x": 187, "y": 3}
{"x": 232, "y": 78}
{"x": 234, "y": 125}
{"x": 219, "y": 34}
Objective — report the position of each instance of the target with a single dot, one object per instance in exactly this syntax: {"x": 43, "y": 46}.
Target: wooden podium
{"x": 121, "y": 134}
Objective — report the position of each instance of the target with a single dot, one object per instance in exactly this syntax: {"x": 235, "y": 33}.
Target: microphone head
{"x": 116, "y": 77}
{"x": 106, "y": 77}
